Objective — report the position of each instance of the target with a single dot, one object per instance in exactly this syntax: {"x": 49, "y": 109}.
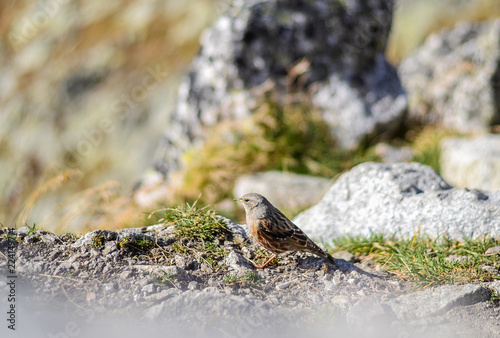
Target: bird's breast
{"x": 265, "y": 239}
{"x": 253, "y": 227}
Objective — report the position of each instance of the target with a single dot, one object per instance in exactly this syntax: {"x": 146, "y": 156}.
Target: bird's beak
{"x": 238, "y": 200}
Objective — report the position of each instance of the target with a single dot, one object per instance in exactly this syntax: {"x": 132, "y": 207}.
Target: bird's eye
{"x": 246, "y": 200}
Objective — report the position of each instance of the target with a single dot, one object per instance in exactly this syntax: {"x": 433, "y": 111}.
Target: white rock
{"x": 400, "y": 199}
{"x": 472, "y": 163}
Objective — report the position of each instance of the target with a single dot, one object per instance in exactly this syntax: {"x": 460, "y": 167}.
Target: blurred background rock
{"x": 87, "y": 87}
{"x": 85, "y": 90}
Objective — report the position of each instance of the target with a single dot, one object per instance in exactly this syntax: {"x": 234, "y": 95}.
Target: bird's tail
{"x": 316, "y": 250}
{"x": 327, "y": 257}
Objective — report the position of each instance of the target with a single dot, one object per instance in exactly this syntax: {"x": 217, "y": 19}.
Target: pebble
{"x": 108, "y": 287}
{"x": 345, "y": 255}
{"x": 148, "y": 289}
{"x": 283, "y": 286}
{"x": 490, "y": 269}
{"x": 456, "y": 258}
{"x": 493, "y": 251}
{"x": 193, "y": 285}
{"x": 206, "y": 268}
{"x": 109, "y": 247}
{"x": 126, "y": 274}
{"x": 162, "y": 295}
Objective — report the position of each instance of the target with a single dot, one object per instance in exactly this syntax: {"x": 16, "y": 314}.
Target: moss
{"x": 140, "y": 244}
{"x": 230, "y": 278}
{"x": 98, "y": 241}
{"x": 252, "y": 277}
{"x": 249, "y": 278}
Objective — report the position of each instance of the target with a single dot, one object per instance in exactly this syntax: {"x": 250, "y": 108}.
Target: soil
{"x": 139, "y": 275}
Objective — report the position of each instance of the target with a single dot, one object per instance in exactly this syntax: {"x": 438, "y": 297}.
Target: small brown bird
{"x": 274, "y": 231}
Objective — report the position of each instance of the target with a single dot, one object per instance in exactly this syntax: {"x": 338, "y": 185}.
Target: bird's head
{"x": 252, "y": 201}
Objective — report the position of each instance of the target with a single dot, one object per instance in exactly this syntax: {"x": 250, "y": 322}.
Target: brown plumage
{"x": 274, "y": 231}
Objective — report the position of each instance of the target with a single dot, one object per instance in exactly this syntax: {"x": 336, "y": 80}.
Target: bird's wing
{"x": 280, "y": 228}
{"x": 280, "y": 234}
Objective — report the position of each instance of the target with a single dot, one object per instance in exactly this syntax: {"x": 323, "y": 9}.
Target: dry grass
{"x": 99, "y": 207}
{"x": 46, "y": 184}
{"x": 114, "y": 42}
{"x": 275, "y": 137}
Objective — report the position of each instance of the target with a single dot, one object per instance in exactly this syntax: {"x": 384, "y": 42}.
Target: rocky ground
{"x": 135, "y": 280}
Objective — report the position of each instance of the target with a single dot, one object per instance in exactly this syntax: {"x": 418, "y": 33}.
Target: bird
{"x": 274, "y": 231}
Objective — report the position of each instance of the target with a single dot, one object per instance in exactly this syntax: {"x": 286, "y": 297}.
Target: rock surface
{"x": 296, "y": 192}
{"x": 452, "y": 79}
{"x": 332, "y": 50}
{"x": 472, "y": 163}
{"x": 436, "y": 301}
{"x": 400, "y": 199}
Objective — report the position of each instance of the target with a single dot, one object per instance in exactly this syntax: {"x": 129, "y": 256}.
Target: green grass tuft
{"x": 422, "y": 260}
{"x": 198, "y": 230}
{"x": 31, "y": 229}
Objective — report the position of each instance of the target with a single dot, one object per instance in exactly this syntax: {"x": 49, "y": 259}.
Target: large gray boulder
{"x": 331, "y": 50}
{"x": 400, "y": 199}
{"x": 452, "y": 79}
{"x": 472, "y": 163}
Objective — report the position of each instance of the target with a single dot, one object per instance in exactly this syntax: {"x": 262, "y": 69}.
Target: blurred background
{"x": 86, "y": 89}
